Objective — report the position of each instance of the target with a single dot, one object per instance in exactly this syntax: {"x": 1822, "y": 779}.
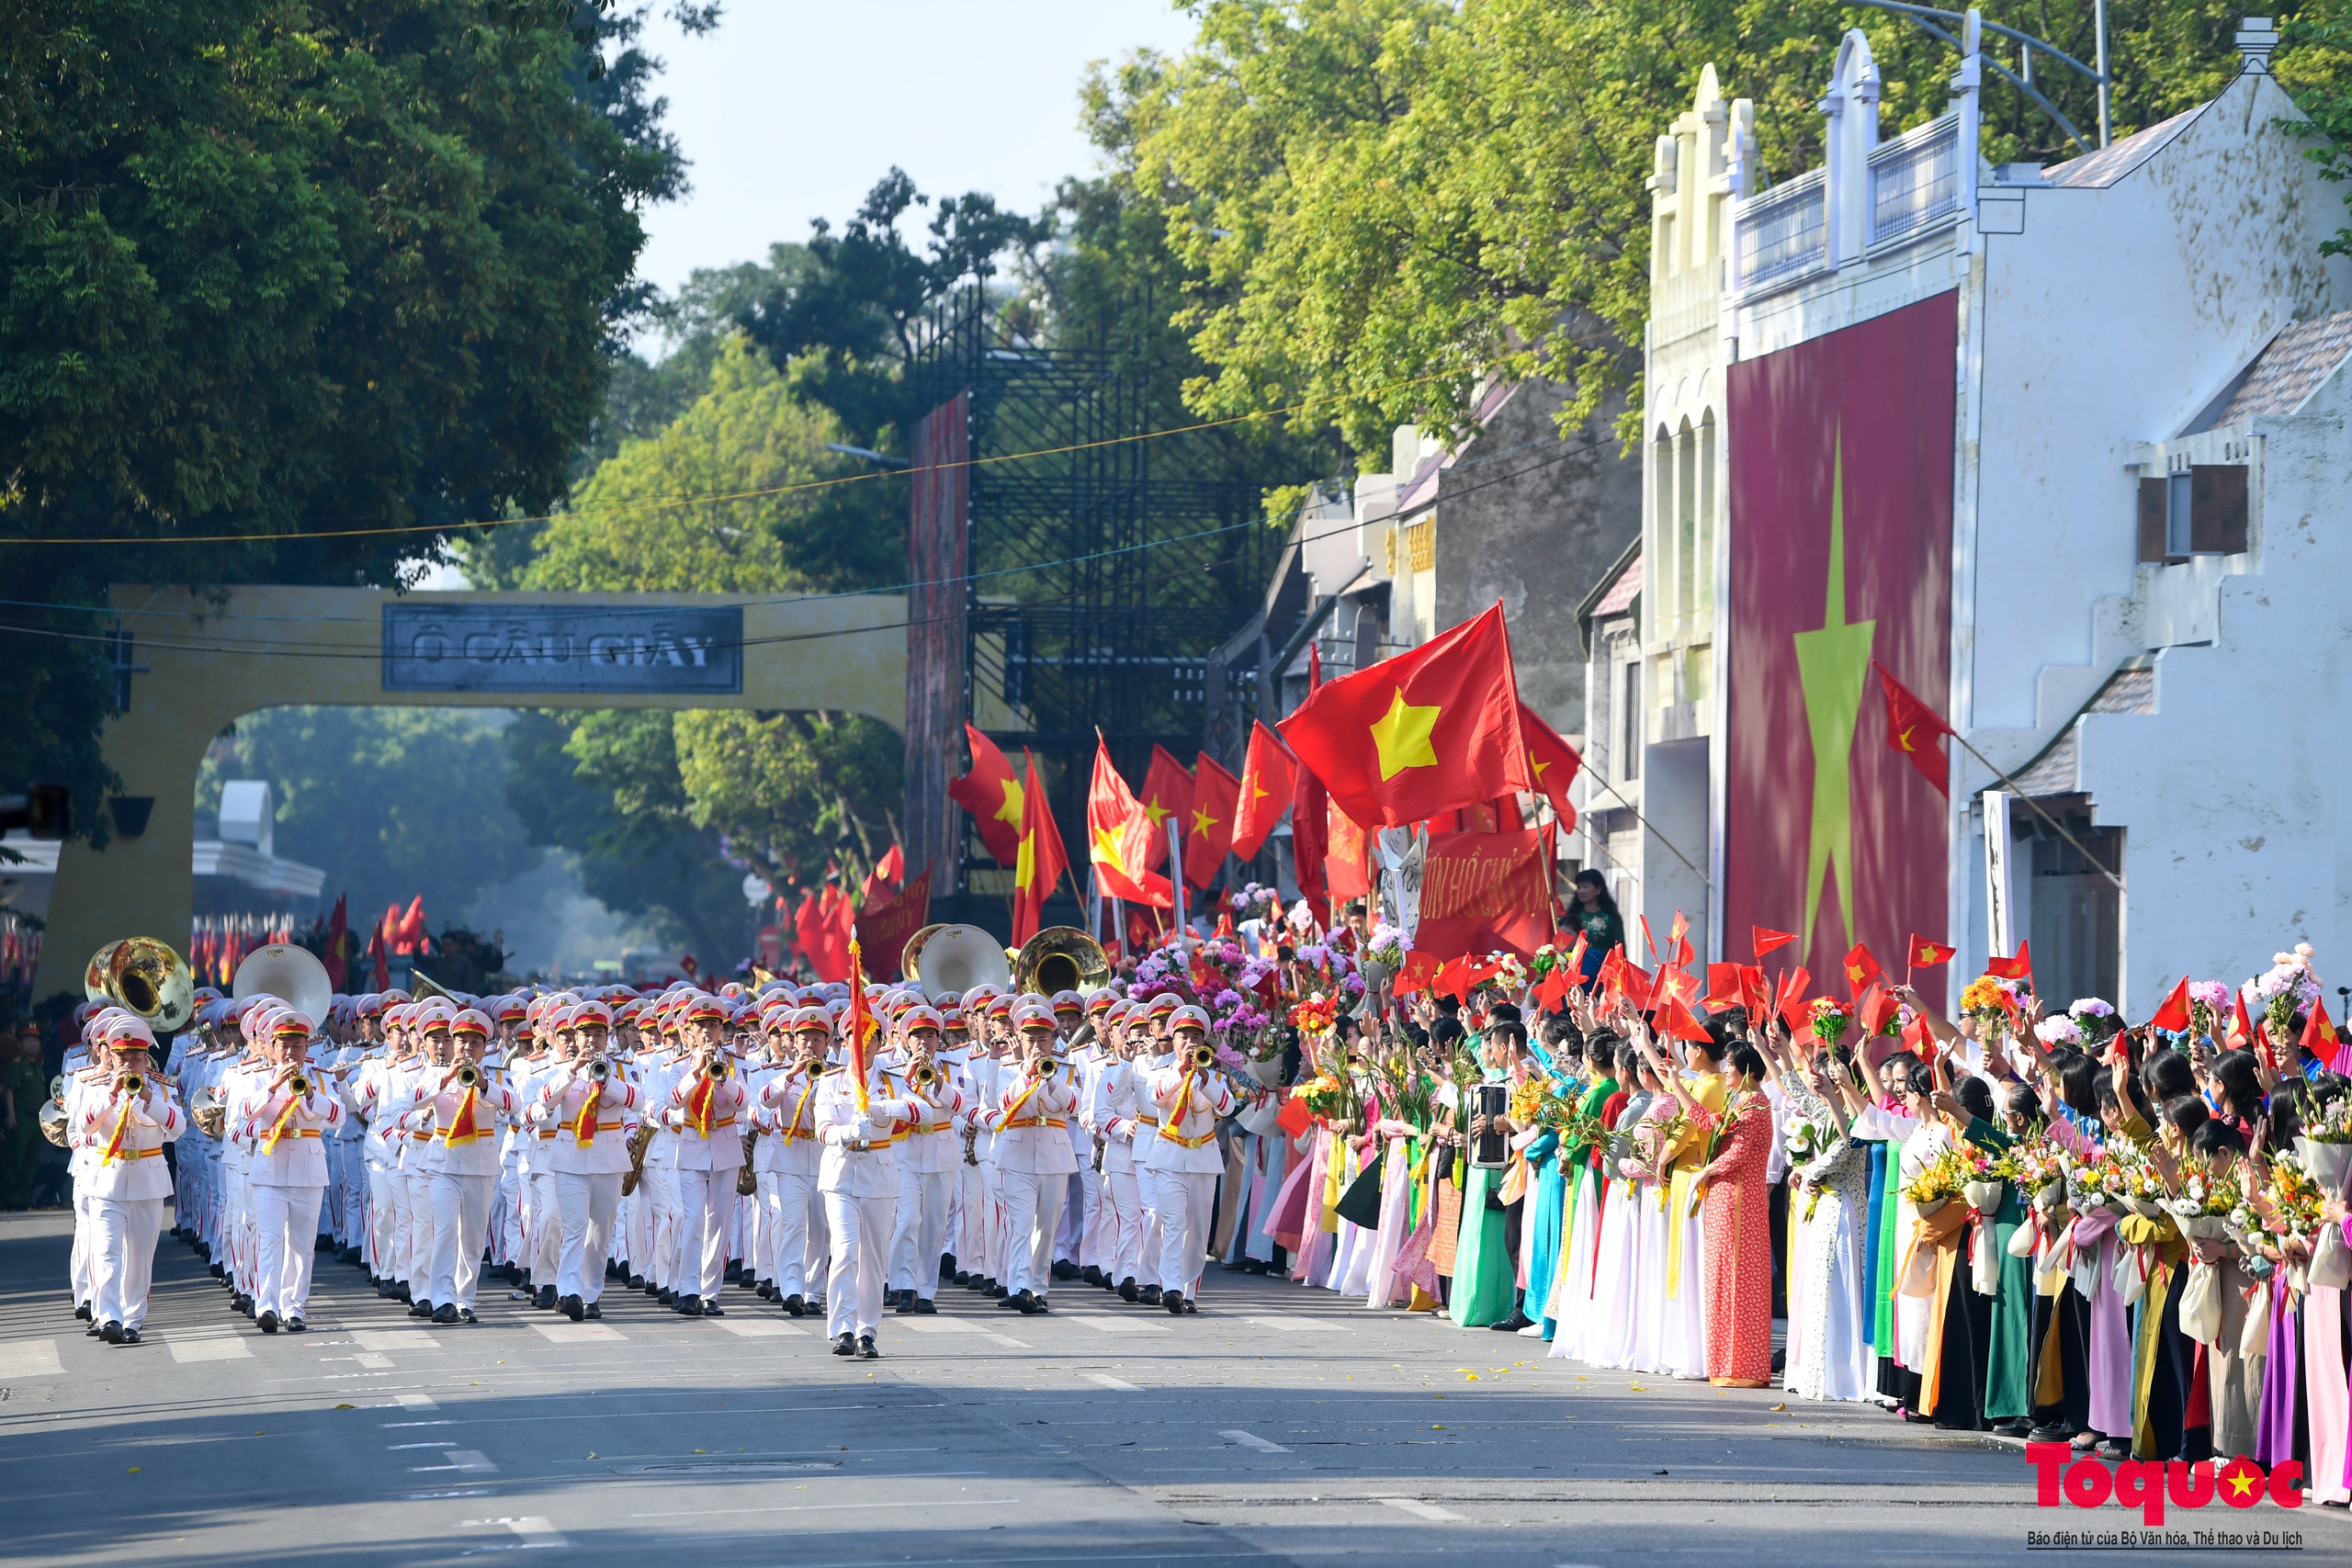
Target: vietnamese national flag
{"x": 1727, "y": 986}
{"x": 1431, "y": 730}
{"x": 1269, "y": 779}
{"x": 2173, "y": 1015}
{"x": 1916, "y": 729}
{"x": 1861, "y": 970}
{"x": 1166, "y": 798}
{"x": 1790, "y": 1003}
{"x": 1037, "y": 867}
{"x": 1419, "y": 972}
{"x": 1675, "y": 985}
{"x": 2321, "y": 1040}
{"x": 1767, "y": 939}
{"x": 2017, "y": 968}
{"x": 1552, "y": 763}
{"x": 2241, "y": 1030}
{"x": 1926, "y": 954}
{"x": 861, "y": 1025}
{"x": 411, "y": 931}
{"x": 1678, "y": 941}
{"x": 1877, "y": 1006}
{"x": 1208, "y": 834}
{"x": 1310, "y": 819}
{"x": 1347, "y": 857}
{"x": 991, "y": 798}
{"x": 1675, "y": 1020}
{"x": 1552, "y": 993}
{"x": 1118, "y": 838}
{"x": 336, "y": 926}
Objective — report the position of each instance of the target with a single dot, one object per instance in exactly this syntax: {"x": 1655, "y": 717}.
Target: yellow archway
{"x": 196, "y": 662}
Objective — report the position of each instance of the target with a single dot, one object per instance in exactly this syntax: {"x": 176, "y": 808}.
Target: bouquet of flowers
{"x": 2208, "y": 1001}
{"x": 2291, "y": 1201}
{"x": 1807, "y": 1141}
{"x": 1652, "y": 1142}
{"x": 1983, "y": 1185}
{"x": 1992, "y": 1002}
{"x": 2145, "y": 1192}
{"x": 2038, "y": 1166}
{"x": 1328, "y": 1094}
{"x": 2287, "y": 987}
{"x": 1547, "y": 958}
{"x": 1388, "y": 947}
{"x": 2059, "y": 1030}
{"x": 2326, "y": 1144}
{"x": 1829, "y": 1020}
{"x": 1509, "y": 980}
{"x": 1938, "y": 1181}
{"x": 2098, "y": 1182}
{"x": 1315, "y": 1016}
{"x": 2094, "y": 1020}
{"x": 2208, "y": 1203}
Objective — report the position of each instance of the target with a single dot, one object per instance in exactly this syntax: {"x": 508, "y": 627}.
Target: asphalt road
{"x": 1276, "y": 1423}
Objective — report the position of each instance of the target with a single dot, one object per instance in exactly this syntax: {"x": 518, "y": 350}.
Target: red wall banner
{"x": 1840, "y": 525}
{"x": 1482, "y": 893}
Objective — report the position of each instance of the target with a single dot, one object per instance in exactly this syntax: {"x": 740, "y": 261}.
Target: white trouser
{"x": 285, "y": 1222}
{"x": 584, "y": 1217}
{"x": 658, "y": 1193}
{"x": 704, "y": 1198}
{"x": 817, "y": 1252}
{"x": 547, "y": 1229}
{"x": 1184, "y": 1200}
{"x": 417, "y": 1226}
{"x": 383, "y": 1217}
{"x": 787, "y": 1198}
{"x": 1078, "y": 1211}
{"x": 461, "y": 1211}
{"x": 861, "y": 1228}
{"x": 1032, "y": 1208}
{"x": 80, "y": 1263}
{"x": 124, "y": 1246}
{"x": 631, "y": 1232}
{"x": 922, "y": 1230}
{"x": 1123, "y": 1197}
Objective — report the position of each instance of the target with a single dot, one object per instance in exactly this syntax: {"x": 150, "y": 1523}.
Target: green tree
{"x": 389, "y": 802}
{"x": 323, "y": 277}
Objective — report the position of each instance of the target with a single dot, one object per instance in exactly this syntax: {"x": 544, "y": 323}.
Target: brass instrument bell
{"x": 144, "y": 978}
{"x": 467, "y": 1075}
{"x": 1061, "y": 958}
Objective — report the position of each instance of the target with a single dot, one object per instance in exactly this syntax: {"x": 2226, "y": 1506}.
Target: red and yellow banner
{"x": 1484, "y": 893}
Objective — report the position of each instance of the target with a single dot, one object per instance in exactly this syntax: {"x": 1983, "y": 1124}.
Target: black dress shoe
{"x": 846, "y": 1345}
{"x": 219, "y": 1270}
{"x": 999, "y": 1291}
{"x": 544, "y": 1299}
{"x": 667, "y": 1298}
{"x": 865, "y": 1350}
{"x": 1174, "y": 1302}
{"x": 1090, "y": 1274}
{"x": 1127, "y": 1291}
{"x": 2015, "y": 1427}
{"x": 766, "y": 1292}
{"x": 1150, "y": 1295}
{"x": 712, "y": 1309}
{"x": 1191, "y": 1305}
{"x": 404, "y": 1292}
{"x": 420, "y": 1308}
{"x": 946, "y": 1265}
{"x": 296, "y": 1325}
{"x": 446, "y": 1312}
{"x": 2059, "y": 1431}
{"x": 1022, "y": 1301}
{"x": 1063, "y": 1268}
{"x": 92, "y": 1331}
{"x": 1255, "y": 1266}
{"x": 266, "y": 1323}
{"x": 595, "y": 1313}
{"x": 689, "y": 1306}
{"x": 111, "y": 1331}
{"x": 81, "y": 1312}
{"x": 904, "y": 1306}
{"x": 923, "y": 1307}
{"x": 636, "y": 1282}
{"x": 734, "y": 1273}
{"x": 963, "y": 1276}
{"x": 130, "y": 1336}
{"x": 574, "y": 1307}
{"x": 796, "y": 1307}
{"x": 1512, "y": 1324}
{"x": 466, "y": 1315}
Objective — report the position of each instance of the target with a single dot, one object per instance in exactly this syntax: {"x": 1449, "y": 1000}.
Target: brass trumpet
{"x": 718, "y": 1069}
{"x": 467, "y": 1075}
{"x": 924, "y": 1075}
{"x": 298, "y": 1086}
{"x": 1201, "y": 1057}
{"x": 133, "y": 1085}
{"x": 600, "y": 1069}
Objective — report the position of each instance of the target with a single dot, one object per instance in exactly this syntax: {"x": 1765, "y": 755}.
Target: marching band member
{"x": 127, "y": 1117}
{"x": 928, "y": 1156}
{"x": 664, "y": 1068}
{"x": 705, "y": 1112}
{"x": 1033, "y": 1157}
{"x": 589, "y": 1104}
{"x": 86, "y": 1069}
{"x": 785, "y": 1161}
{"x": 366, "y": 1096}
{"x": 539, "y": 1056}
{"x": 1090, "y": 1062}
{"x": 1110, "y": 1114}
{"x": 461, "y": 1104}
{"x": 859, "y": 1178}
{"x": 285, "y": 1117}
{"x": 1182, "y": 1157}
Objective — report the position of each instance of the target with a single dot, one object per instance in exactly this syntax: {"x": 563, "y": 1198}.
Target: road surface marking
{"x": 1107, "y": 1380}
{"x": 415, "y": 1402}
{"x": 1121, "y": 1326}
{"x": 207, "y": 1345}
{"x": 29, "y": 1358}
{"x": 562, "y": 1333}
{"x": 394, "y": 1339}
{"x": 761, "y": 1328}
{"x": 1301, "y": 1324}
{"x": 1251, "y": 1441}
{"x": 1421, "y": 1510}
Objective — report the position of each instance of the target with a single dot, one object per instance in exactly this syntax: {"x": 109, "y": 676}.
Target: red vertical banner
{"x": 1840, "y": 533}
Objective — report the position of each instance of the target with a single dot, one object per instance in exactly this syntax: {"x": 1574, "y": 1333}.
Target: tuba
{"x": 942, "y": 959}
{"x": 1061, "y": 958}
{"x": 291, "y": 973}
{"x": 210, "y": 1113}
{"x": 145, "y": 977}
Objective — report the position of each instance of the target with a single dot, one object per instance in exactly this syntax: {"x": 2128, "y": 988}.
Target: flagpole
{"x": 1176, "y": 864}
{"x": 2035, "y": 807}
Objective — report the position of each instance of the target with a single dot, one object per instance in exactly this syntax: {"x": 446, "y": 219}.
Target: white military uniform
{"x": 707, "y": 1164}
{"x": 1181, "y": 1162}
{"x": 585, "y": 1172}
{"x": 1035, "y": 1161}
{"x": 286, "y": 1177}
{"x": 128, "y": 1182}
{"x": 930, "y": 1153}
{"x": 859, "y": 1178}
{"x": 786, "y": 1164}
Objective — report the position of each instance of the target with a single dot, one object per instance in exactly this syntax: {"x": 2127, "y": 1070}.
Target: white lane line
{"x": 373, "y": 1361}
{"x": 1301, "y": 1324}
{"x": 1421, "y": 1510}
{"x": 29, "y": 1358}
{"x": 959, "y": 1326}
{"x": 826, "y": 1508}
{"x": 1107, "y": 1380}
{"x": 562, "y": 1333}
{"x": 535, "y": 1530}
{"x": 1120, "y": 1324}
{"x": 1251, "y": 1441}
{"x": 470, "y": 1460}
{"x": 394, "y": 1339}
{"x": 415, "y": 1402}
{"x": 208, "y": 1346}
{"x": 760, "y": 1329}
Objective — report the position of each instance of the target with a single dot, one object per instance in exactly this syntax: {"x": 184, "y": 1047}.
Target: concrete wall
{"x": 1534, "y": 521}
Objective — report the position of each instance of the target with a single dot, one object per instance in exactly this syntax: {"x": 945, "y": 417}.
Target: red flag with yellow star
{"x": 1552, "y": 763}
{"x": 1914, "y": 729}
{"x": 1926, "y": 954}
{"x": 1118, "y": 838}
{"x": 1166, "y": 798}
{"x": 1861, "y": 970}
{"x": 1040, "y": 861}
{"x": 1208, "y": 832}
{"x": 991, "y": 796}
{"x": 2321, "y": 1040}
{"x": 1269, "y": 778}
{"x": 1426, "y": 732}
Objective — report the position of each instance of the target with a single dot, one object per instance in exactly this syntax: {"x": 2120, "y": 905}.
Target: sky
{"x": 793, "y": 108}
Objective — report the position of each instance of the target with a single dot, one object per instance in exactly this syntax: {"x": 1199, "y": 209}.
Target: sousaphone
{"x": 954, "y": 958}
{"x": 145, "y": 977}
{"x": 1061, "y": 958}
{"x": 293, "y": 975}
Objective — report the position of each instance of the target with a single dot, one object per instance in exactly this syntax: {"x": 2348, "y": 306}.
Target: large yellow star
{"x": 1157, "y": 812}
{"x": 1536, "y": 766}
{"x": 1024, "y": 862}
{"x": 1203, "y": 821}
{"x": 1403, "y": 735}
{"x": 1107, "y": 850}
{"x": 1015, "y": 798}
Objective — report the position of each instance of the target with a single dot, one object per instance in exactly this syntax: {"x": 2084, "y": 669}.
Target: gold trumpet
{"x": 467, "y": 1075}
{"x": 1201, "y": 1057}
{"x": 924, "y": 1076}
{"x": 133, "y": 1085}
{"x": 718, "y": 1069}
{"x": 297, "y": 1084}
